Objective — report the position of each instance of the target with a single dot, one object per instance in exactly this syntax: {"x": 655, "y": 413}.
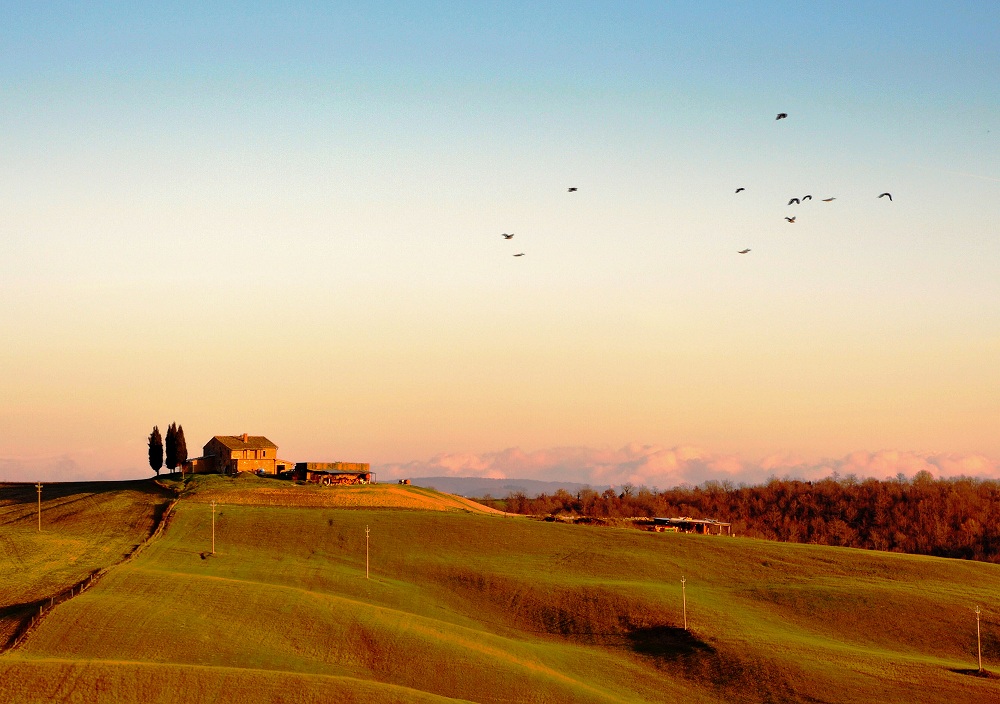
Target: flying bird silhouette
{"x": 572, "y": 189}
{"x": 791, "y": 219}
{"x": 807, "y": 197}
{"x": 519, "y": 254}
{"x": 886, "y": 194}
{"x": 506, "y": 236}
{"x": 794, "y": 200}
{"x": 743, "y": 251}
{"x": 827, "y": 200}
{"x": 740, "y": 189}
{"x": 781, "y": 116}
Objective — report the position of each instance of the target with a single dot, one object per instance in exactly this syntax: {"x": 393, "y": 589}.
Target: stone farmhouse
{"x": 232, "y": 454}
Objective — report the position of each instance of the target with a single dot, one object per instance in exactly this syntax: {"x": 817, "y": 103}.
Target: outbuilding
{"x": 334, "y": 473}
{"x": 686, "y": 524}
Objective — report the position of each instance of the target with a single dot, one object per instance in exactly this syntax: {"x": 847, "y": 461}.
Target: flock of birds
{"x": 510, "y": 235}
{"x": 792, "y": 201}
{"x": 798, "y": 201}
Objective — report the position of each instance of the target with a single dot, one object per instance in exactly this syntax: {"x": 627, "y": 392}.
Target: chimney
{"x": 245, "y": 436}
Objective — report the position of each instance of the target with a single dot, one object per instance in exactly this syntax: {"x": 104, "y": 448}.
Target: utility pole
{"x": 39, "y": 485}
{"x": 685, "y": 602}
{"x": 366, "y": 552}
{"x": 213, "y": 526}
{"x": 979, "y": 642}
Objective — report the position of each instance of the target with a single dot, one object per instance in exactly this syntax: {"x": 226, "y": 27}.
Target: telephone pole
{"x": 39, "y": 485}
{"x": 213, "y": 526}
{"x": 366, "y": 552}
{"x": 685, "y": 602}
{"x": 979, "y": 642}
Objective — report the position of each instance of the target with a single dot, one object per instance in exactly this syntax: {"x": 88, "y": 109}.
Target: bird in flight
{"x": 572, "y": 189}
{"x": 794, "y": 200}
{"x": 519, "y": 254}
{"x": 791, "y": 219}
{"x": 743, "y": 251}
{"x": 506, "y": 236}
{"x": 740, "y": 189}
{"x": 886, "y": 194}
{"x": 827, "y": 200}
{"x": 807, "y": 197}
{"x": 781, "y": 116}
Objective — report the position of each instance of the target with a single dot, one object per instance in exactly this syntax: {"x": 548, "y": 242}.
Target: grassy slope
{"x": 86, "y": 526}
{"x": 251, "y": 490}
{"x": 486, "y": 608}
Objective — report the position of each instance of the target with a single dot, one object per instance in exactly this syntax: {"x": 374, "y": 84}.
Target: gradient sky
{"x": 284, "y": 219}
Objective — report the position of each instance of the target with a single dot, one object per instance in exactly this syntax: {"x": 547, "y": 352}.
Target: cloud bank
{"x": 640, "y": 465}
{"x": 666, "y": 467}
{"x": 64, "y": 468}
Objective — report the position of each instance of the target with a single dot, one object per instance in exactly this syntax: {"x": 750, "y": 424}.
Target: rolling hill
{"x": 463, "y": 605}
{"x": 86, "y": 527}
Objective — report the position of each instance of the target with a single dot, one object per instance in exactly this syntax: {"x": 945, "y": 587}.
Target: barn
{"x": 334, "y": 473}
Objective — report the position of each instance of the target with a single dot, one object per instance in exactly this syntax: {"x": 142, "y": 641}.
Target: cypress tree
{"x": 170, "y": 443}
{"x": 155, "y": 450}
{"x": 182, "y": 450}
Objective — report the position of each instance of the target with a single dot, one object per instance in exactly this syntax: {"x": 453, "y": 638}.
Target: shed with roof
{"x": 686, "y": 524}
{"x": 333, "y": 473}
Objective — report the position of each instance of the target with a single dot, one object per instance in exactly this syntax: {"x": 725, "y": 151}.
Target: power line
{"x": 685, "y": 602}
{"x": 39, "y": 485}
{"x": 979, "y": 642}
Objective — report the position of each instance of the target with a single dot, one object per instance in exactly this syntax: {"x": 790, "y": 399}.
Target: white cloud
{"x": 665, "y": 467}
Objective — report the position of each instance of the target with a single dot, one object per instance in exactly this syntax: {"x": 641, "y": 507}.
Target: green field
{"x": 468, "y": 606}
{"x": 86, "y": 526}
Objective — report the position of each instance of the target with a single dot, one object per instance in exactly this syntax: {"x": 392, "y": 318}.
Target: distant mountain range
{"x": 478, "y": 487}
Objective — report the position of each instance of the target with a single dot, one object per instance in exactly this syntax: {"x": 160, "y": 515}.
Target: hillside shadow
{"x": 668, "y": 643}
{"x": 733, "y": 676}
{"x": 973, "y": 672}
{"x": 14, "y": 619}
{"x": 14, "y": 493}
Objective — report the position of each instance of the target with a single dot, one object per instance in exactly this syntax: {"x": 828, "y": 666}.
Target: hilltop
{"x": 471, "y": 606}
{"x": 253, "y": 490}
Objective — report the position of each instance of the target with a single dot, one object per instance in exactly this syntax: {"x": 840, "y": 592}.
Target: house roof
{"x": 252, "y": 442}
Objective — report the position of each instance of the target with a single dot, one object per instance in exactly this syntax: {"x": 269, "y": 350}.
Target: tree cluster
{"x": 171, "y": 451}
{"x": 958, "y": 517}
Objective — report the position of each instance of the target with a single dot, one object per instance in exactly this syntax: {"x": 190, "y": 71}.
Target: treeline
{"x": 957, "y": 518}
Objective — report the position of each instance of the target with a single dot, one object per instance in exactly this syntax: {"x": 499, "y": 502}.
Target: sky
{"x": 285, "y": 219}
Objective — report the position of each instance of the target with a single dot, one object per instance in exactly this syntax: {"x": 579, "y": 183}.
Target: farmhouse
{"x": 231, "y": 454}
{"x": 330, "y": 473}
{"x": 686, "y": 524}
